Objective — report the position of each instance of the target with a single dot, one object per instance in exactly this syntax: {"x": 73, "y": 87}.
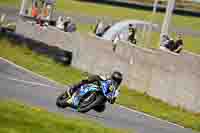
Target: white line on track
{"x": 29, "y": 82}
{"x": 144, "y": 114}
{"x": 29, "y": 71}
{"x": 34, "y": 83}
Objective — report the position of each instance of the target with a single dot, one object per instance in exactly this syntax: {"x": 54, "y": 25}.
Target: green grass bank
{"x": 19, "y": 118}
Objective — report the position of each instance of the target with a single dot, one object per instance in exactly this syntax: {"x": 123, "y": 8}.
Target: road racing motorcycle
{"x": 88, "y": 97}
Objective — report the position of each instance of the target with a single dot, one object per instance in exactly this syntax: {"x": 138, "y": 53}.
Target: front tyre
{"x": 89, "y": 101}
{"x": 61, "y": 100}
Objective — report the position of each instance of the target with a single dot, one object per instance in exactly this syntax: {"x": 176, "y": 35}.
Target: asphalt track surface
{"x": 12, "y": 14}
{"x": 24, "y": 86}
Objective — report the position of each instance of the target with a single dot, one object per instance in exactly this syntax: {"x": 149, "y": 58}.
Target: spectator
{"x": 67, "y": 23}
{"x": 164, "y": 40}
{"x": 60, "y": 23}
{"x": 167, "y": 43}
{"x": 35, "y": 10}
{"x": 132, "y": 33}
{"x": 71, "y": 27}
{"x": 115, "y": 40}
{"x": 170, "y": 44}
{"x": 46, "y": 11}
{"x": 99, "y": 28}
{"x": 178, "y": 44}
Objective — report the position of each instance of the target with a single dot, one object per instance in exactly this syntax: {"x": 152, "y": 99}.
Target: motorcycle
{"x": 86, "y": 98}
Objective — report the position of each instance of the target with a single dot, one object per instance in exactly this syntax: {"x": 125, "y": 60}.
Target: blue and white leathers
{"x": 105, "y": 85}
{"x": 109, "y": 88}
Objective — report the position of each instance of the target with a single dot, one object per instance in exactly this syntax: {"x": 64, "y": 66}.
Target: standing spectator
{"x": 46, "y": 10}
{"x": 178, "y": 46}
{"x": 132, "y": 34}
{"x": 35, "y": 10}
{"x": 115, "y": 40}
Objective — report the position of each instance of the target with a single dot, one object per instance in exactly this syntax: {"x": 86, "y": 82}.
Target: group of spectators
{"x": 39, "y": 15}
{"x": 100, "y": 29}
{"x": 167, "y": 43}
{"x": 38, "y": 12}
{"x": 42, "y": 18}
{"x": 172, "y": 45}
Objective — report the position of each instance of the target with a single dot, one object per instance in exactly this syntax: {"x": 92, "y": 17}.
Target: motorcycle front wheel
{"x": 61, "y": 100}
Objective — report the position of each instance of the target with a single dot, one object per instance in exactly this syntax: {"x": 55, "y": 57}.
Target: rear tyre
{"x": 61, "y": 101}
{"x": 89, "y": 101}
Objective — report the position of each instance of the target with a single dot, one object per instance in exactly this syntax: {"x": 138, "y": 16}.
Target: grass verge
{"x": 155, "y": 107}
{"x": 19, "y": 118}
{"x": 39, "y": 64}
{"x": 129, "y": 98}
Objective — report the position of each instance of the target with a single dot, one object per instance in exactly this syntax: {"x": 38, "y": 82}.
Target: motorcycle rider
{"x": 111, "y": 84}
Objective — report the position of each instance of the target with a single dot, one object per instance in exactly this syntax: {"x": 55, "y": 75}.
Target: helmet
{"x": 117, "y": 77}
